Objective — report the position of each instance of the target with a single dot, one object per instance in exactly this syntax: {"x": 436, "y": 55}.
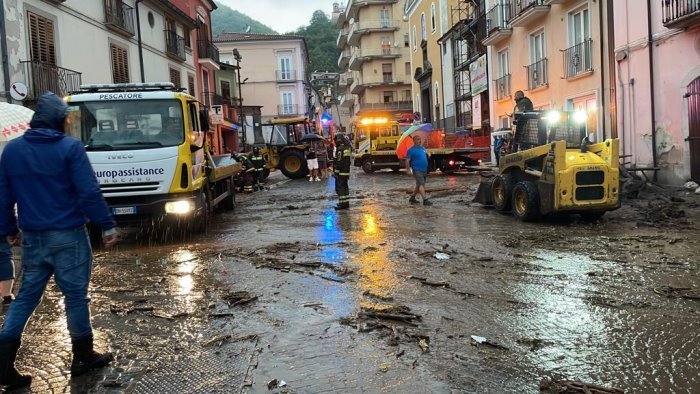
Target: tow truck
{"x": 148, "y": 146}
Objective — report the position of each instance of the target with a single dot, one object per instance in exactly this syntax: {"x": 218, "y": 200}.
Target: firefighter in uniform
{"x": 248, "y": 173}
{"x": 258, "y": 161}
{"x": 341, "y": 164}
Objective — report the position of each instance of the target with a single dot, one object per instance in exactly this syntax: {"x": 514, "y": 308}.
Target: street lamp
{"x": 237, "y": 56}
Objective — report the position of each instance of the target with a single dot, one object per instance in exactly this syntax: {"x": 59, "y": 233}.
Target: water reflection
{"x": 331, "y": 239}
{"x": 377, "y": 271}
{"x": 187, "y": 264}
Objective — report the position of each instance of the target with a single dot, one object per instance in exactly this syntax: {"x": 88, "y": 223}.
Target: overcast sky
{"x": 283, "y": 16}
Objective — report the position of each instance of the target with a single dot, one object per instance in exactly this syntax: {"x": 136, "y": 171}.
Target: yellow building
{"x": 554, "y": 51}
{"x": 374, "y": 62}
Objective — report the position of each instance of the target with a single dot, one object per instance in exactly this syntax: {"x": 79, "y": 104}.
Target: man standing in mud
{"x": 417, "y": 164}
{"x": 48, "y": 175}
{"x": 341, "y": 166}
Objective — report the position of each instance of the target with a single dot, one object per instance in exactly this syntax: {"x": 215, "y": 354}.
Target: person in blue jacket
{"x": 48, "y": 175}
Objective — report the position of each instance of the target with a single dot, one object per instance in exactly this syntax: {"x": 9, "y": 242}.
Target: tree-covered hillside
{"x": 321, "y": 35}
{"x": 224, "y": 19}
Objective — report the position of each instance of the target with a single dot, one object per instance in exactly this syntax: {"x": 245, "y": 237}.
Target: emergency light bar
{"x": 123, "y": 87}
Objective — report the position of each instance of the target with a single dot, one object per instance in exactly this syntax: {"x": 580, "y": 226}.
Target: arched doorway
{"x": 693, "y": 97}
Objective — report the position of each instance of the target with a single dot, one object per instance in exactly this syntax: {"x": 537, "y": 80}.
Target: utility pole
{"x": 241, "y": 118}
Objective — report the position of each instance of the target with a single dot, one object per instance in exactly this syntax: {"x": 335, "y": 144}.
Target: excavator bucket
{"x": 483, "y": 193}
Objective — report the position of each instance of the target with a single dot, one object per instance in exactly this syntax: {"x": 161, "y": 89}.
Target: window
{"x": 386, "y": 45}
{"x": 388, "y": 96}
{"x": 287, "y": 107}
{"x": 504, "y": 122}
{"x": 120, "y": 64}
{"x": 406, "y": 40}
{"x": 226, "y": 89}
{"x": 285, "y": 73}
{"x": 384, "y": 18}
{"x": 408, "y": 68}
{"x": 432, "y": 18}
{"x": 41, "y": 39}
{"x": 387, "y": 72}
{"x": 423, "y": 33}
{"x": 414, "y": 37}
{"x": 190, "y": 83}
{"x": 406, "y": 95}
{"x": 188, "y": 37}
{"x": 503, "y": 65}
{"x": 443, "y": 16}
{"x": 437, "y": 94}
{"x": 579, "y": 29}
{"x": 537, "y": 47}
{"x": 175, "y": 78}
{"x": 205, "y": 88}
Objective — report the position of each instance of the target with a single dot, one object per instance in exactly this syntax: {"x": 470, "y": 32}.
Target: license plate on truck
{"x": 124, "y": 211}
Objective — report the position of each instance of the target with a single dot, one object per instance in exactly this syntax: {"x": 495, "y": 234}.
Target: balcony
{"x": 502, "y": 87}
{"x": 679, "y": 14}
{"x": 286, "y": 75}
{"x": 497, "y": 24}
{"x": 372, "y": 82}
{"x": 346, "y": 79}
{"x": 537, "y": 74}
{"x": 342, "y": 39}
{"x": 343, "y": 59}
{"x": 42, "y": 77}
{"x": 556, "y": 1}
{"x": 208, "y": 53}
{"x": 527, "y": 11}
{"x": 355, "y": 5}
{"x": 360, "y": 56}
{"x": 119, "y": 17}
{"x": 358, "y": 29}
{"x": 391, "y": 105}
{"x": 288, "y": 110}
{"x": 174, "y": 45}
{"x": 578, "y": 59}
{"x": 347, "y": 101}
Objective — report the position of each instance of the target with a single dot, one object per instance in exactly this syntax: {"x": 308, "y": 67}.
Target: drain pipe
{"x": 5, "y": 61}
{"x": 612, "y": 64}
{"x": 138, "y": 30}
{"x": 650, "y": 42}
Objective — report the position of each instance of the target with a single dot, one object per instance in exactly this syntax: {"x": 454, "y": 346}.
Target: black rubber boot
{"x": 86, "y": 358}
{"x": 8, "y": 373}
{"x": 342, "y": 206}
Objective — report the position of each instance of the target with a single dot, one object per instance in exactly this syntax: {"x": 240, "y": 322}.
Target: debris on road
{"x": 678, "y": 292}
{"x": 428, "y": 282}
{"x": 441, "y": 256}
{"x": 477, "y": 340}
{"x": 220, "y": 339}
{"x": 237, "y": 298}
{"x": 384, "y": 368}
{"x": 573, "y": 386}
{"x": 423, "y": 344}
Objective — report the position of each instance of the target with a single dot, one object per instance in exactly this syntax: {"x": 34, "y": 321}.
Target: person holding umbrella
{"x": 417, "y": 164}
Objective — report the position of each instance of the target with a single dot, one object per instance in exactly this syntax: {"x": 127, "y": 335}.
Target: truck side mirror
{"x": 204, "y": 120}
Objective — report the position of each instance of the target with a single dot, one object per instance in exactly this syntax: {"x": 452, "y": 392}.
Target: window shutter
{"x": 175, "y": 78}
{"x": 41, "y": 39}
{"x": 120, "y": 64}
{"x": 190, "y": 84}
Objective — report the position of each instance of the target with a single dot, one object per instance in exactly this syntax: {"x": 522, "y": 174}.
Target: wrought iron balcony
{"x": 391, "y": 105}
{"x": 207, "y": 50}
{"x": 577, "y": 59}
{"x": 497, "y": 24}
{"x": 43, "y": 77}
{"x": 537, "y": 74}
{"x": 502, "y": 87}
{"x": 680, "y": 13}
{"x": 174, "y": 45}
{"x": 527, "y": 11}
{"x": 288, "y": 109}
{"x": 119, "y": 16}
{"x": 286, "y": 75}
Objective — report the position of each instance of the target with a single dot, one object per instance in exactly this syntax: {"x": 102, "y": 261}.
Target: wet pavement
{"x": 287, "y": 295}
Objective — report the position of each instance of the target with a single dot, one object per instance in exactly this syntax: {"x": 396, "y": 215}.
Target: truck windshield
{"x": 122, "y": 125}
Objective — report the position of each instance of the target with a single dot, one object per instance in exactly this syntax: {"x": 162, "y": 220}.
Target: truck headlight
{"x": 179, "y": 207}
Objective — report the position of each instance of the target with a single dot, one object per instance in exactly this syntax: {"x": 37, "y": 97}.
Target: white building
{"x": 58, "y": 44}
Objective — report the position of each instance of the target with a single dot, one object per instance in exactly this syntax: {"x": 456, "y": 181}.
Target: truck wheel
{"x": 367, "y": 167}
{"x": 202, "y": 220}
{"x": 502, "y": 191}
{"x": 229, "y": 202}
{"x": 591, "y": 216}
{"x": 526, "y": 201}
{"x": 293, "y": 165}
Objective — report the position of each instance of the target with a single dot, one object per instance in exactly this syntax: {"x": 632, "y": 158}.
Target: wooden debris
{"x": 572, "y": 386}
{"x": 220, "y": 339}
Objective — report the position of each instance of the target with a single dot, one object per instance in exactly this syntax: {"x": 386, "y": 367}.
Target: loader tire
{"x": 293, "y": 165}
{"x": 526, "y": 201}
{"x": 502, "y": 192}
{"x": 367, "y": 167}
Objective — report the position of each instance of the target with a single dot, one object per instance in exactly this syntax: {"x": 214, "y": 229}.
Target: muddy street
{"x": 287, "y": 295}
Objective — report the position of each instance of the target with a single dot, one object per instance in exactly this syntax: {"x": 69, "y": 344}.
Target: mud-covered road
{"x": 287, "y": 295}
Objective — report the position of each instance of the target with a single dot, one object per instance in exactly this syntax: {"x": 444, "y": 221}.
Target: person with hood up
{"x": 48, "y": 175}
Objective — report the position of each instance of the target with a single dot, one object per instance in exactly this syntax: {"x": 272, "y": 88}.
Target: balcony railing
{"x": 520, "y": 6}
{"x": 286, "y": 75}
{"x": 43, "y": 77}
{"x": 502, "y": 87}
{"x": 680, "y": 13}
{"x": 175, "y": 44}
{"x": 120, "y": 15}
{"x": 497, "y": 18}
{"x": 288, "y": 109}
{"x": 527, "y": 11}
{"x": 577, "y": 59}
{"x": 207, "y": 50}
{"x": 400, "y": 105}
{"x": 537, "y": 74}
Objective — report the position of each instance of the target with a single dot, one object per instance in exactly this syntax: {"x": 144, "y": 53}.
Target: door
{"x": 384, "y": 18}
{"x": 287, "y": 107}
{"x": 693, "y": 139}
{"x": 285, "y": 69}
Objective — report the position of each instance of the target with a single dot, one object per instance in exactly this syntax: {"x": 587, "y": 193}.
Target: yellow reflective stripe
{"x": 344, "y": 173}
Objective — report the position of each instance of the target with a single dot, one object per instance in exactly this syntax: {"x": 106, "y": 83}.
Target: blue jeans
{"x": 7, "y": 268}
{"x": 66, "y": 255}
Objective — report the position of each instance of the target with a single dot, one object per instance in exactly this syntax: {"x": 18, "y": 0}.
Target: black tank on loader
{"x": 551, "y": 167}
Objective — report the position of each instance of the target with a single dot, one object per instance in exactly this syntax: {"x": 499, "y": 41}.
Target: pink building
{"x": 658, "y": 92}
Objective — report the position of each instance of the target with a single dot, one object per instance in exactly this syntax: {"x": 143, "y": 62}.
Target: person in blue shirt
{"x": 417, "y": 164}
{"x": 48, "y": 176}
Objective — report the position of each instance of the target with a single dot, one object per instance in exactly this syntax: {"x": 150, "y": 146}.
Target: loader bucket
{"x": 483, "y": 193}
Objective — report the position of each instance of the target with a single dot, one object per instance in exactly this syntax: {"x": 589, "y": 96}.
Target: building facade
{"x": 57, "y": 45}
{"x": 556, "y": 52}
{"x": 658, "y": 86}
{"x": 273, "y": 72}
{"x": 375, "y": 59}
